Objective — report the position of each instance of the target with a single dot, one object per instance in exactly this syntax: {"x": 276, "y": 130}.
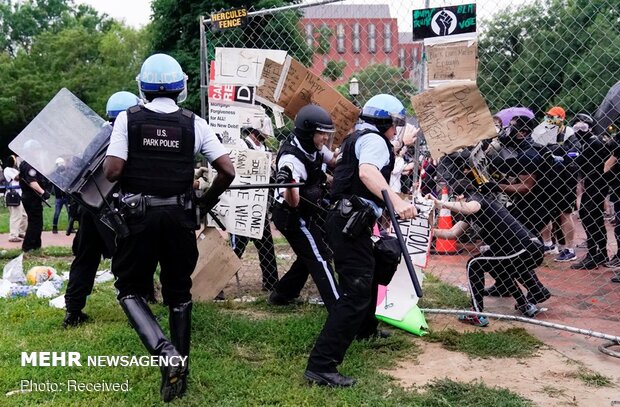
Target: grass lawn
{"x": 242, "y": 355}
{"x": 48, "y": 215}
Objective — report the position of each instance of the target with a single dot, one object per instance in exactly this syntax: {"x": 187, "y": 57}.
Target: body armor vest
{"x": 313, "y": 192}
{"x": 346, "y": 176}
{"x": 160, "y": 160}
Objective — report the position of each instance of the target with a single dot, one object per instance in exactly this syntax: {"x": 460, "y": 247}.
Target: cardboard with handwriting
{"x": 243, "y": 66}
{"x": 216, "y": 265}
{"x": 269, "y": 81}
{"x": 293, "y": 75}
{"x": 454, "y": 61}
{"x": 453, "y": 116}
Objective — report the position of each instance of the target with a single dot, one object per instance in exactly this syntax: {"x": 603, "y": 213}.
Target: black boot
{"x": 180, "y": 335}
{"x": 154, "y": 340}
{"x": 74, "y": 318}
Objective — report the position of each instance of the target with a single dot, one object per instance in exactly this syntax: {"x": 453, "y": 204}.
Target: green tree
{"x": 176, "y": 31}
{"x": 555, "y": 52}
{"x": 380, "y": 78}
{"x": 334, "y": 70}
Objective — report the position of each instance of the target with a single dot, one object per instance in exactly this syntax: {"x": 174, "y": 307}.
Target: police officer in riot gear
{"x": 33, "y": 185}
{"x": 296, "y": 211}
{"x": 93, "y": 239}
{"x": 362, "y": 172}
{"x": 151, "y": 153}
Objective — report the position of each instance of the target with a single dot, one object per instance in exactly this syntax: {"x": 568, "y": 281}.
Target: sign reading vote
{"x": 223, "y": 20}
{"x": 443, "y": 21}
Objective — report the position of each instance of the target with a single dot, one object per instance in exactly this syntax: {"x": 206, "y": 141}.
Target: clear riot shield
{"x": 66, "y": 142}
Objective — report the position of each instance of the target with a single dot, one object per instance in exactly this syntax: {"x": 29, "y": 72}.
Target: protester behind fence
{"x": 612, "y": 174}
{"x": 591, "y": 164}
{"x": 255, "y": 140}
{"x": 513, "y": 252}
{"x": 363, "y": 171}
{"x": 33, "y": 185}
{"x": 60, "y": 196}
{"x": 302, "y": 158}
{"x": 18, "y": 220}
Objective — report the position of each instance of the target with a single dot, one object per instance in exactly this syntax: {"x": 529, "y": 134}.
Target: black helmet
{"x": 309, "y": 120}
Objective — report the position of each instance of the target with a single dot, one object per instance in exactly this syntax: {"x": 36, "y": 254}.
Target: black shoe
{"x": 495, "y": 291}
{"x": 73, "y": 319}
{"x": 280, "y": 300}
{"x": 329, "y": 379}
{"x": 378, "y": 334}
{"x": 541, "y": 296}
{"x": 616, "y": 278}
{"x": 529, "y": 310}
{"x": 55, "y": 230}
{"x": 220, "y": 296}
{"x": 601, "y": 258}
{"x": 587, "y": 263}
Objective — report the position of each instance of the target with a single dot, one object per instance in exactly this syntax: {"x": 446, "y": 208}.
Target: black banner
{"x": 223, "y": 20}
{"x": 443, "y": 21}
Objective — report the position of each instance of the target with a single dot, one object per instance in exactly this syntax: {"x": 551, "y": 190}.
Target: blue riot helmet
{"x": 384, "y": 111}
{"x": 162, "y": 76}
{"x": 119, "y": 102}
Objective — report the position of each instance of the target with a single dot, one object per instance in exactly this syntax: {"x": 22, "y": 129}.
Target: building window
{"x": 340, "y": 38}
{"x": 357, "y": 62}
{"x": 415, "y": 55}
{"x": 372, "y": 39}
{"x": 387, "y": 38}
{"x": 309, "y": 35}
{"x": 401, "y": 58}
{"x": 325, "y": 62}
{"x": 356, "y": 38}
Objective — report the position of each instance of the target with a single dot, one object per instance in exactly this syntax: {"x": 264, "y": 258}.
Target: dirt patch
{"x": 549, "y": 378}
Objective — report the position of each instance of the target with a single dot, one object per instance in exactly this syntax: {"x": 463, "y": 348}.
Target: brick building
{"x": 359, "y": 35}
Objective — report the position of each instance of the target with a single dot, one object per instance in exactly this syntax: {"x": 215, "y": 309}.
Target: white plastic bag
{"x": 58, "y": 302}
{"x": 47, "y": 290}
{"x": 5, "y": 288}
{"x": 14, "y": 270}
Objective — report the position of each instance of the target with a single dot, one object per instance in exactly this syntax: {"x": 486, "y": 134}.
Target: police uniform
{"x": 264, "y": 245}
{"x": 158, "y": 142}
{"x": 300, "y": 225}
{"x": 353, "y": 313}
{"x": 33, "y": 205}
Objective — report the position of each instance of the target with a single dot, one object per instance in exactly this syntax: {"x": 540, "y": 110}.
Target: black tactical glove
{"x": 284, "y": 175}
{"x": 489, "y": 187}
{"x": 45, "y": 195}
{"x": 206, "y": 204}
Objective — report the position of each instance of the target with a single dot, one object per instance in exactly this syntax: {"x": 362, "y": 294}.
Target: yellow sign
{"x": 223, "y": 20}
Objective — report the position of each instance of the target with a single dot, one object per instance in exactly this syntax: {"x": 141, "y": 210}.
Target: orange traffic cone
{"x": 445, "y": 246}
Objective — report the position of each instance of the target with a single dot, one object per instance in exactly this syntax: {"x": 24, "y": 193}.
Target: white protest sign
{"x": 243, "y": 66}
{"x": 227, "y": 120}
{"x": 243, "y": 211}
{"x": 400, "y": 296}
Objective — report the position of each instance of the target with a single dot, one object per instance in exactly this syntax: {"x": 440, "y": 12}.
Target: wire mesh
{"x": 552, "y": 170}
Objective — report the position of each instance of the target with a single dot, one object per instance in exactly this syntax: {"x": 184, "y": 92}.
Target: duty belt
{"x": 177, "y": 200}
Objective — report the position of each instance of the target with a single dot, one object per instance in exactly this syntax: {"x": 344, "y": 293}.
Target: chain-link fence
{"x": 549, "y": 221}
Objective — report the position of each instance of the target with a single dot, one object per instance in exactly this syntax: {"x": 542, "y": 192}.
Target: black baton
{"x": 403, "y": 245}
{"x": 267, "y": 186}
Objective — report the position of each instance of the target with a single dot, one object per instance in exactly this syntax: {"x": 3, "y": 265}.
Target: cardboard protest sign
{"x": 243, "y": 66}
{"x": 313, "y": 89}
{"x": 453, "y": 116}
{"x": 243, "y": 211}
{"x": 216, "y": 265}
{"x": 227, "y": 120}
{"x": 451, "y": 62}
{"x": 292, "y": 76}
{"x": 268, "y": 81}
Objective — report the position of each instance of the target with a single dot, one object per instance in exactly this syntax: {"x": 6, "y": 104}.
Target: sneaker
{"x": 55, "y": 230}
{"x": 551, "y": 249}
{"x": 582, "y": 245}
{"x": 616, "y": 278}
{"x": 566, "y": 255}
{"x": 587, "y": 263}
{"x": 15, "y": 240}
{"x": 613, "y": 262}
{"x": 475, "y": 320}
{"x": 529, "y": 310}
{"x": 541, "y": 296}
